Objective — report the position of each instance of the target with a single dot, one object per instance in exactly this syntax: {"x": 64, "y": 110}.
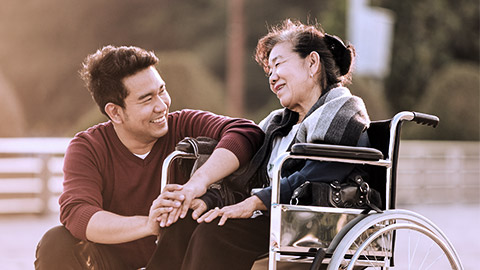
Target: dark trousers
{"x": 58, "y": 249}
{"x": 188, "y": 245}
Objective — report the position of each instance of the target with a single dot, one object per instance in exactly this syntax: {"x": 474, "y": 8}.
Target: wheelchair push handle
{"x": 197, "y": 146}
{"x": 425, "y": 119}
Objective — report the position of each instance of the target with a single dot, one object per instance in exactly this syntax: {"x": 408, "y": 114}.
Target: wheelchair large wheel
{"x": 414, "y": 241}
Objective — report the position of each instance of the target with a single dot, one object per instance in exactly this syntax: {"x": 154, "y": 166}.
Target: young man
{"x": 110, "y": 206}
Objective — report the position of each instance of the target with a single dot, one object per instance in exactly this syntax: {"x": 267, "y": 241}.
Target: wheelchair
{"x": 347, "y": 238}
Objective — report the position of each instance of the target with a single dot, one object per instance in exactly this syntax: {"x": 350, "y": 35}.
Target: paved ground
{"x": 19, "y": 234}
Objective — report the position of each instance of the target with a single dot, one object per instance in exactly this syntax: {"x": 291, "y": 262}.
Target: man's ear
{"x": 313, "y": 62}
{"x": 115, "y": 112}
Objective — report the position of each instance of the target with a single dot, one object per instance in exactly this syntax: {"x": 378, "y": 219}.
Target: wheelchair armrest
{"x": 336, "y": 151}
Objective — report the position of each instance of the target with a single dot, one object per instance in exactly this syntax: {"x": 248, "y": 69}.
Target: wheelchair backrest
{"x": 380, "y": 135}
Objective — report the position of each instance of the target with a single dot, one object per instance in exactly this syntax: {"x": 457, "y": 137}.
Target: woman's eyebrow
{"x": 276, "y": 58}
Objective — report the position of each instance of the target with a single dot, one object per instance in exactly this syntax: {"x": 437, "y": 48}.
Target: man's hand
{"x": 243, "y": 209}
{"x": 167, "y": 201}
{"x": 190, "y": 191}
{"x": 109, "y": 228}
{"x": 221, "y": 163}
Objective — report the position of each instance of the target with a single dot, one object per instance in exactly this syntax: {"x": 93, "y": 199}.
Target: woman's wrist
{"x": 256, "y": 203}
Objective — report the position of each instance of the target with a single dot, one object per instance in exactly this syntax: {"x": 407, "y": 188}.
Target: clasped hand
{"x": 185, "y": 197}
{"x": 187, "y": 193}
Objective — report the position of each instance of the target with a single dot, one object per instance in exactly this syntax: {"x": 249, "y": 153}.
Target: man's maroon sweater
{"x": 100, "y": 173}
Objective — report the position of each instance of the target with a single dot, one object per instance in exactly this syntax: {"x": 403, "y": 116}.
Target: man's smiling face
{"x": 146, "y": 106}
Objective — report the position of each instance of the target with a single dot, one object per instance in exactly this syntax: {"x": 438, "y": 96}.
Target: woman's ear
{"x": 115, "y": 112}
{"x": 313, "y": 62}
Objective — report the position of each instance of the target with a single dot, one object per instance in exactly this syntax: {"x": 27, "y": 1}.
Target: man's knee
{"x": 57, "y": 238}
{"x": 211, "y": 235}
{"x": 239, "y": 234}
{"x": 55, "y": 246}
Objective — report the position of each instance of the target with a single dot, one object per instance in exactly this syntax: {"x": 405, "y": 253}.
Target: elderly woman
{"x": 307, "y": 70}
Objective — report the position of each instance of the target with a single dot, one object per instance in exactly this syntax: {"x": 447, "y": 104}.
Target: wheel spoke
{"x": 414, "y": 252}
{"x": 417, "y": 243}
{"x": 436, "y": 260}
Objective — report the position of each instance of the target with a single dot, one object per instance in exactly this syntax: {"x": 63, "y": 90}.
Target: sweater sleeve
{"x": 212, "y": 198}
{"x": 81, "y": 197}
{"x": 241, "y": 136}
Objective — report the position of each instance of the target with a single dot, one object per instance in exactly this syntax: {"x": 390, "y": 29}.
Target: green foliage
{"x": 429, "y": 35}
{"x": 453, "y": 94}
{"x": 44, "y": 43}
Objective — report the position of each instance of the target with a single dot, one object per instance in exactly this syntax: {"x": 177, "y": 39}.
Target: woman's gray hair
{"x": 336, "y": 58}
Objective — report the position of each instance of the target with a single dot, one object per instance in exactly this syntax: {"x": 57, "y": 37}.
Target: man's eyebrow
{"x": 145, "y": 96}
{"x": 161, "y": 88}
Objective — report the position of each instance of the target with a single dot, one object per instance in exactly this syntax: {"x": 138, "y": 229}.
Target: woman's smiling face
{"x": 290, "y": 79}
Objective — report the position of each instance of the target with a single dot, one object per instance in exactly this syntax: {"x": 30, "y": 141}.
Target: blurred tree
{"x": 12, "y": 122}
{"x": 200, "y": 89}
{"x": 429, "y": 35}
{"x": 44, "y": 43}
{"x": 453, "y": 94}
{"x": 372, "y": 93}
{"x": 235, "y": 86}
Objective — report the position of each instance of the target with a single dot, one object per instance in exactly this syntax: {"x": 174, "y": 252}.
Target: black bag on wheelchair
{"x": 354, "y": 192}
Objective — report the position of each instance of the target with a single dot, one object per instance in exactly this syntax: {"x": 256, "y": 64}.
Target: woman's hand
{"x": 243, "y": 209}
{"x": 199, "y": 207}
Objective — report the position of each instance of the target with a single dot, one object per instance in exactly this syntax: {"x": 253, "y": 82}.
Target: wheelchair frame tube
{"x": 167, "y": 163}
{"x": 394, "y": 126}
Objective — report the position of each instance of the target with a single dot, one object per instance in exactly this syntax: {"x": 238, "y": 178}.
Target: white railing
{"x": 429, "y": 172}
{"x": 438, "y": 172}
{"x": 31, "y": 174}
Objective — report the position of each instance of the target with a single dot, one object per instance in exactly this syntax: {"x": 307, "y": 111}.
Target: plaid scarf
{"x": 337, "y": 117}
